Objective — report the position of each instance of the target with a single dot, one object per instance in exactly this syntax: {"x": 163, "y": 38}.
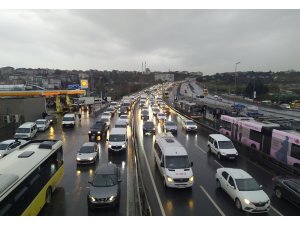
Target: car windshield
{"x": 156, "y": 110}
{"x": 110, "y": 109}
{"x": 145, "y": 112}
{"x": 149, "y": 124}
{"x": 49, "y": 117}
{"x": 225, "y": 145}
{"x": 120, "y": 126}
{"x": 86, "y": 149}
{"x": 68, "y": 119}
{"x": 177, "y": 162}
{"x": 190, "y": 123}
{"x": 123, "y": 117}
{"x": 247, "y": 184}
{"x": 3, "y": 146}
{"x": 23, "y": 130}
{"x": 40, "y": 122}
{"x": 170, "y": 124}
{"x": 105, "y": 119}
{"x": 116, "y": 137}
{"x": 161, "y": 114}
{"x": 104, "y": 180}
{"x": 106, "y": 114}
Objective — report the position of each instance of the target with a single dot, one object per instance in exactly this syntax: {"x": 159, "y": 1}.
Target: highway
{"x": 204, "y": 199}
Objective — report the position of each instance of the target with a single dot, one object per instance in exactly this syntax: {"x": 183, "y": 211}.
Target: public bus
{"x": 229, "y": 125}
{"x": 29, "y": 176}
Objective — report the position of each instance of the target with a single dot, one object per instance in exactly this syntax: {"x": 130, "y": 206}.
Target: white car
{"x": 189, "y": 125}
{"x": 221, "y": 146}
{"x": 8, "y": 146}
{"x": 42, "y": 124}
{"x": 106, "y": 114}
{"x": 88, "y": 153}
{"x": 246, "y": 193}
{"x": 161, "y": 116}
{"x": 124, "y": 118}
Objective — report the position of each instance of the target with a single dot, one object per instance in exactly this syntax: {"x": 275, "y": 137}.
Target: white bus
{"x": 29, "y": 176}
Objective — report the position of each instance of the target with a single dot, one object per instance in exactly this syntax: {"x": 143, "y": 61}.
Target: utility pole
{"x": 235, "y": 80}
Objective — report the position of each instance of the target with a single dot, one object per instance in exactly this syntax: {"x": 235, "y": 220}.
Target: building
{"x": 164, "y": 77}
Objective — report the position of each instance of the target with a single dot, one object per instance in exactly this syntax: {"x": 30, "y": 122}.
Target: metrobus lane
{"x": 191, "y": 201}
{"x": 70, "y": 198}
{"x": 197, "y": 147}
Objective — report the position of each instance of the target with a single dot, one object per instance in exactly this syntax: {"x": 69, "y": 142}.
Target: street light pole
{"x": 235, "y": 80}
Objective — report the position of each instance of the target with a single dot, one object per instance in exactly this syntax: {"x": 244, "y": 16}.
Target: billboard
{"x": 84, "y": 84}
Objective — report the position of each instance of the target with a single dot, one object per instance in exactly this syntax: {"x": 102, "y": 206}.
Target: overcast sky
{"x": 194, "y": 40}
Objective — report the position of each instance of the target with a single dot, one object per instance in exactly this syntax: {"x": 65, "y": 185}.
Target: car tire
{"x": 238, "y": 204}
{"x": 165, "y": 184}
{"x": 278, "y": 193}
{"x": 218, "y": 184}
{"x": 209, "y": 149}
{"x": 219, "y": 156}
{"x": 48, "y": 195}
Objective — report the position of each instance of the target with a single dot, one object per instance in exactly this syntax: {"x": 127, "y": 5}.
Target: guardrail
{"x": 249, "y": 152}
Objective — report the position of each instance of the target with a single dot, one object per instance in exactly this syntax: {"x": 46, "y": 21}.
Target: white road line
{"x": 219, "y": 163}
{"x": 127, "y": 205}
{"x": 275, "y": 210}
{"x": 201, "y": 149}
{"x": 213, "y": 202}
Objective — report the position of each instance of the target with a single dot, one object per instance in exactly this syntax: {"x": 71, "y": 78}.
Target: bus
{"x": 29, "y": 176}
{"x": 229, "y": 125}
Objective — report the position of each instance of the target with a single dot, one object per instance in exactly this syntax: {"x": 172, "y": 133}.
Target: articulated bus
{"x": 278, "y": 142}
{"x": 29, "y": 176}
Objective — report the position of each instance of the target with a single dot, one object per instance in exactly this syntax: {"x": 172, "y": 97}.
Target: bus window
{"x": 295, "y": 151}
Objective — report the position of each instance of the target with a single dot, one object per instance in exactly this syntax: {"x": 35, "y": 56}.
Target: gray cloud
{"x": 196, "y": 40}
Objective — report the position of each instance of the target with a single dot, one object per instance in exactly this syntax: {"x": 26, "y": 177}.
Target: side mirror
{"x": 119, "y": 180}
{"x": 90, "y": 182}
{"x": 232, "y": 187}
{"x": 192, "y": 164}
{"x": 260, "y": 186}
{"x": 162, "y": 164}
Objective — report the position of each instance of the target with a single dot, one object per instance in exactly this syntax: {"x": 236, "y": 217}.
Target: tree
{"x": 258, "y": 86}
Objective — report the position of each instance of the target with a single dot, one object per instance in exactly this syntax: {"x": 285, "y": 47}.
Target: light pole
{"x": 235, "y": 80}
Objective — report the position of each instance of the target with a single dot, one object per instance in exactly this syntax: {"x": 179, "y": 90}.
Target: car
{"x": 104, "y": 188}
{"x": 221, "y": 146}
{"x": 148, "y": 127}
{"x": 69, "y": 120}
{"x": 117, "y": 140}
{"x": 52, "y": 118}
{"x": 243, "y": 189}
{"x": 106, "y": 120}
{"x": 8, "y": 146}
{"x": 88, "y": 153}
{"x": 161, "y": 117}
{"x": 155, "y": 111}
{"x": 124, "y": 118}
{"x": 155, "y": 106}
{"x": 166, "y": 110}
{"x": 145, "y": 115}
{"x": 99, "y": 129}
{"x": 26, "y": 131}
{"x": 171, "y": 126}
{"x": 111, "y": 110}
{"x": 189, "y": 125}
{"x": 121, "y": 124}
{"x": 42, "y": 124}
{"x": 285, "y": 106}
{"x": 123, "y": 111}
{"x": 145, "y": 108}
{"x": 106, "y": 114}
{"x": 287, "y": 187}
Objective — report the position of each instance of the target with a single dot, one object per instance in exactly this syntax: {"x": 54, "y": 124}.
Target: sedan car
{"x": 155, "y": 111}
{"x": 171, "y": 126}
{"x": 148, "y": 127}
{"x": 42, "y": 124}
{"x": 105, "y": 187}
{"x": 124, "y": 118}
{"x": 88, "y": 153}
{"x": 243, "y": 189}
{"x": 145, "y": 115}
{"x": 287, "y": 187}
{"x": 161, "y": 117}
{"x": 8, "y": 146}
{"x": 189, "y": 125}
{"x": 52, "y": 119}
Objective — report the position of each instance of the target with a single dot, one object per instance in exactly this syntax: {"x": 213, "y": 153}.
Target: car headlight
{"x": 109, "y": 146}
{"x": 191, "y": 179}
{"x": 90, "y": 132}
{"x": 98, "y": 132}
{"x": 153, "y": 128}
{"x": 92, "y": 198}
{"x": 123, "y": 146}
{"x": 91, "y": 158}
{"x": 78, "y": 159}
{"x": 223, "y": 153}
{"x": 112, "y": 198}
{"x": 51, "y": 121}
{"x": 237, "y": 153}
{"x": 170, "y": 180}
{"x": 0, "y": 155}
{"x": 247, "y": 201}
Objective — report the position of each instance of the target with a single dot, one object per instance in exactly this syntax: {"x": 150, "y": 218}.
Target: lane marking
{"x": 152, "y": 181}
{"x": 212, "y": 201}
{"x": 275, "y": 210}
{"x": 219, "y": 163}
{"x": 201, "y": 149}
{"x": 127, "y": 205}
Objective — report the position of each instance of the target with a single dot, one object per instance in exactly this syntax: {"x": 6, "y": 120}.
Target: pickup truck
{"x": 99, "y": 129}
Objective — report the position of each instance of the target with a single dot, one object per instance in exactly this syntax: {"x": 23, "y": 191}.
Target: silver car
{"x": 88, "y": 153}
{"x": 105, "y": 187}
{"x": 8, "y": 146}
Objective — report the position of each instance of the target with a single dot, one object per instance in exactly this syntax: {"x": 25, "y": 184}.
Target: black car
{"x": 123, "y": 111}
{"x": 52, "y": 119}
{"x": 145, "y": 115}
{"x": 148, "y": 127}
{"x": 105, "y": 187}
{"x": 99, "y": 129}
{"x": 287, "y": 187}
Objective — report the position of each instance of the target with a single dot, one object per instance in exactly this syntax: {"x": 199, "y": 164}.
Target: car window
{"x": 231, "y": 182}
{"x": 225, "y": 175}
{"x": 215, "y": 144}
{"x": 291, "y": 185}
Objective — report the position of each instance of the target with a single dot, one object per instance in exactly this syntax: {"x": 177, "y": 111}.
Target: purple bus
{"x": 285, "y": 147}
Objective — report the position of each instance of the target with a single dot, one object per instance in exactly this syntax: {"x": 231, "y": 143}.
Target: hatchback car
{"x": 8, "y": 146}
{"x": 148, "y": 127}
{"x": 287, "y": 187}
{"x": 145, "y": 115}
{"x": 52, "y": 119}
{"x": 88, "y": 153}
{"x": 246, "y": 193}
{"x": 161, "y": 117}
{"x": 105, "y": 187}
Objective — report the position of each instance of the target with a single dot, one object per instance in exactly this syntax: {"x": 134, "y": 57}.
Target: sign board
{"x": 84, "y": 84}
{"x": 73, "y": 86}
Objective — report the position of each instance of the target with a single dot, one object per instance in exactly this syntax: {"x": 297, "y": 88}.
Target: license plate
{"x": 231, "y": 157}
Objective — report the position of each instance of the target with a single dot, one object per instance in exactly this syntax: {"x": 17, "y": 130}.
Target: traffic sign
{"x": 84, "y": 84}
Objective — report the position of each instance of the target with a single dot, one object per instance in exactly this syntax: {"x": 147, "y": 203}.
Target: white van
{"x": 117, "y": 140}
{"x": 26, "y": 131}
{"x": 69, "y": 120}
{"x": 221, "y": 146}
{"x": 173, "y": 162}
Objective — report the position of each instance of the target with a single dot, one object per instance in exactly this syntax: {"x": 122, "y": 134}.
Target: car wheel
{"x": 238, "y": 204}
{"x": 218, "y": 184}
{"x": 165, "y": 184}
{"x": 48, "y": 195}
{"x": 278, "y": 192}
{"x": 219, "y": 156}
{"x": 209, "y": 150}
